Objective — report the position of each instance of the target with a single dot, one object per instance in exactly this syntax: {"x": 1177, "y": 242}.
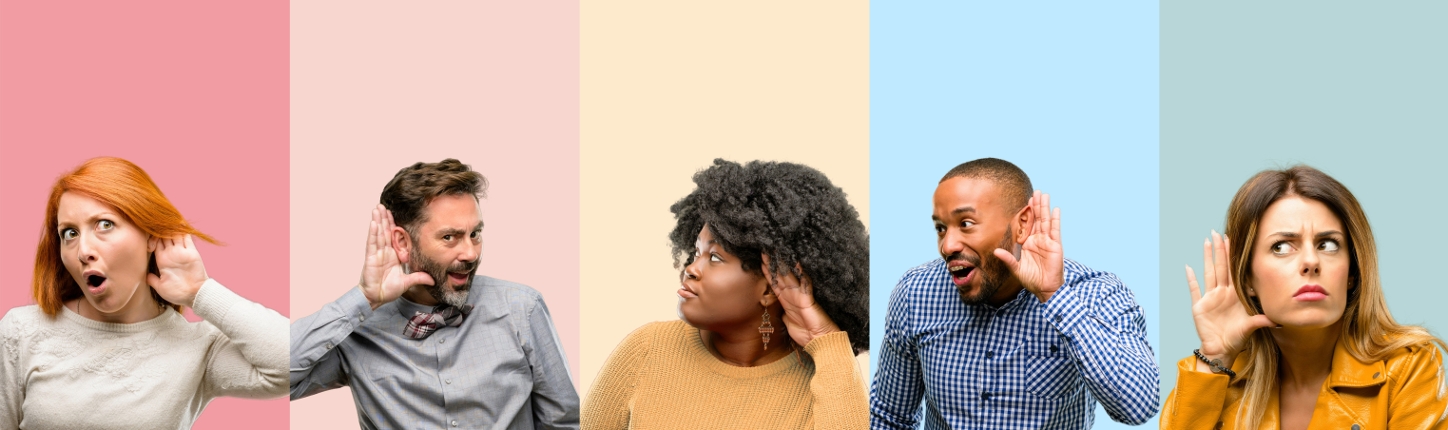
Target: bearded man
{"x": 423, "y": 341}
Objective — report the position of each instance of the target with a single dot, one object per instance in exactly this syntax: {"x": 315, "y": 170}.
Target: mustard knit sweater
{"x": 662, "y": 377}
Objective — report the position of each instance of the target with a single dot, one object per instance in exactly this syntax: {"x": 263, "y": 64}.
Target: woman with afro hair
{"x": 774, "y": 306}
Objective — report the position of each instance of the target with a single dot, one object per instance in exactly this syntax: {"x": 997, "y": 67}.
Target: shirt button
{"x": 985, "y": 396}
{"x": 1377, "y": 374}
{"x": 448, "y": 381}
{"x": 361, "y": 318}
{"x": 1356, "y": 427}
{"x": 455, "y": 423}
{"x": 989, "y": 354}
{"x": 1054, "y": 348}
{"x": 1058, "y": 318}
{"x": 439, "y": 341}
{"x": 329, "y": 345}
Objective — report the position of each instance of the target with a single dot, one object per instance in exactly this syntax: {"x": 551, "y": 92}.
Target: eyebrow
{"x": 957, "y": 212}
{"x": 1293, "y": 235}
{"x": 93, "y": 218}
{"x": 456, "y": 231}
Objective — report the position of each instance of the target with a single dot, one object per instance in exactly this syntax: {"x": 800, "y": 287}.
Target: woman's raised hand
{"x": 803, "y": 318}
{"x": 1221, "y": 317}
{"x": 383, "y": 279}
{"x": 180, "y": 268}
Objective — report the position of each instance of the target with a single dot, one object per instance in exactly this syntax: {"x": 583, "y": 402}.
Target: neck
{"x": 741, "y": 346}
{"x": 141, "y": 307}
{"x": 418, "y": 294}
{"x": 1306, "y": 354}
{"x": 1007, "y": 293}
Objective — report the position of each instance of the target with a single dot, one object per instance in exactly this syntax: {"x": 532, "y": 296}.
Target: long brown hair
{"x": 1368, "y": 332}
{"x": 122, "y": 185}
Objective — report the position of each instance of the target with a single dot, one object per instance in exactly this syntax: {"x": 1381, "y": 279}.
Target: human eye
{"x": 967, "y": 224}
{"x": 68, "y": 234}
{"x": 1329, "y": 245}
{"x": 714, "y": 257}
{"x": 939, "y": 228}
{"x": 1281, "y": 248}
{"x": 105, "y": 224}
{"x": 447, "y": 238}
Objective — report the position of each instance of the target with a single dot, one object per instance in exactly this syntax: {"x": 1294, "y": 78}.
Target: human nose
{"x": 951, "y": 243}
{"x": 471, "y": 253}
{"x": 85, "y": 250}
{"x": 1311, "y": 263}
{"x": 691, "y": 270}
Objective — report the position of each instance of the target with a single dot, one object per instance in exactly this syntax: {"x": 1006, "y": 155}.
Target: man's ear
{"x": 1024, "y": 220}
{"x": 402, "y": 243}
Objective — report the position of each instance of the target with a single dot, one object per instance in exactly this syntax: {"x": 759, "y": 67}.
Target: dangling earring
{"x": 766, "y": 328}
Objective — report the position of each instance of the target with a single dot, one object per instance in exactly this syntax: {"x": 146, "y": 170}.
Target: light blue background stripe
{"x": 1067, "y": 91}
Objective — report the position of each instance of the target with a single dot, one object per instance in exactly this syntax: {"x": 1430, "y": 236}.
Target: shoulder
{"x": 1413, "y": 361}
{"x": 20, "y": 321}
{"x": 930, "y": 275}
{"x": 512, "y": 291}
{"x": 506, "y": 296}
{"x": 1100, "y": 283}
{"x": 649, "y": 336}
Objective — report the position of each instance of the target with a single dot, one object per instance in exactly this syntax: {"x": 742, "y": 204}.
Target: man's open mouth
{"x": 960, "y": 273}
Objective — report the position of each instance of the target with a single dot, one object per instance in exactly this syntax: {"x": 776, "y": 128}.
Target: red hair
{"x": 121, "y": 185}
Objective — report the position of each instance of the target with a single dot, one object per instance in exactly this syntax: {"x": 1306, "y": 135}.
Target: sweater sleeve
{"x": 1197, "y": 400}
{"x": 12, "y": 392}
{"x": 607, "y": 406}
{"x": 250, "y": 360}
{"x": 837, "y": 387}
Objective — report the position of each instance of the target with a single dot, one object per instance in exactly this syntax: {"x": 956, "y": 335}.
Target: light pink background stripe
{"x": 193, "y": 92}
{"x": 377, "y": 86}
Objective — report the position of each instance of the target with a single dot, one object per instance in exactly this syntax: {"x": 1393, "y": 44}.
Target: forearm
{"x": 1107, "y": 338}
{"x": 555, "y": 400}
{"x": 837, "y": 386}
{"x": 1197, "y": 400}
{"x": 314, "y": 364}
{"x": 252, "y": 360}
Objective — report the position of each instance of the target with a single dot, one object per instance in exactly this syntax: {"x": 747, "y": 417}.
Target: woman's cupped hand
{"x": 180, "y": 268}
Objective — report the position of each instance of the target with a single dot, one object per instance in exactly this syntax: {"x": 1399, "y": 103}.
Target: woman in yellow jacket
{"x": 1294, "y": 328}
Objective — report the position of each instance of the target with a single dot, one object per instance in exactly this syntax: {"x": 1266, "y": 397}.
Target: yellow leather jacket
{"x": 1404, "y": 391}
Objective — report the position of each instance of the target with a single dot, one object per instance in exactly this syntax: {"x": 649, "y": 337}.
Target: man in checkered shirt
{"x": 1004, "y": 332}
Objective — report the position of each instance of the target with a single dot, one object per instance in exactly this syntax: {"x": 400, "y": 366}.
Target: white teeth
{"x": 955, "y": 268}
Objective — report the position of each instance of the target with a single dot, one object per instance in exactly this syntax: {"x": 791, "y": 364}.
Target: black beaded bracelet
{"x": 1215, "y": 364}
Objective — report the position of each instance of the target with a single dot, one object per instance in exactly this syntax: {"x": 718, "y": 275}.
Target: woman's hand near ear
{"x": 804, "y": 319}
{"x": 1222, "y": 321}
{"x": 180, "y": 268}
{"x": 383, "y": 279}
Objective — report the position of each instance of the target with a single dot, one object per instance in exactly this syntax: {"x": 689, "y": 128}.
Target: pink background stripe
{"x": 193, "y": 92}
{"x": 379, "y": 85}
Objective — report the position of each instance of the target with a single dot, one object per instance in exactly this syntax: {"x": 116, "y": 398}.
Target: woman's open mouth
{"x": 95, "y": 283}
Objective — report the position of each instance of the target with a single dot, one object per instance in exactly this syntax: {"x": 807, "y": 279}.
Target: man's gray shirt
{"x": 503, "y": 368}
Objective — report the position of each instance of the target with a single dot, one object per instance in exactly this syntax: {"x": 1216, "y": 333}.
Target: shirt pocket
{"x": 1050, "y": 372}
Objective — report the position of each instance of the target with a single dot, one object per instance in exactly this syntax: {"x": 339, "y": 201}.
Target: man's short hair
{"x": 413, "y": 188}
{"x": 1015, "y": 185}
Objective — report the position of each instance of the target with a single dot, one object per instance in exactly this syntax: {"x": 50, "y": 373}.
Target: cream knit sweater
{"x": 662, "y": 377}
{"x": 71, "y": 372}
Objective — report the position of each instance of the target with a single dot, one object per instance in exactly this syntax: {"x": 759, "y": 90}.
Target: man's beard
{"x": 993, "y": 273}
{"x": 452, "y": 297}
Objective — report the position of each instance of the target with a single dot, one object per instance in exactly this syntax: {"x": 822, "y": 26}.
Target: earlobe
{"x": 768, "y": 298}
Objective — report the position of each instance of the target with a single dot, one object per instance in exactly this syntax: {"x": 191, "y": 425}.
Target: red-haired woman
{"x": 105, "y": 345}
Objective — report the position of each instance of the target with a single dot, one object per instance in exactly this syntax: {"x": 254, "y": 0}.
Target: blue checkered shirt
{"x": 1023, "y": 365}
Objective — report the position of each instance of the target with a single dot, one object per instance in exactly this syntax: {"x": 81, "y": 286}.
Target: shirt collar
{"x": 1347, "y": 371}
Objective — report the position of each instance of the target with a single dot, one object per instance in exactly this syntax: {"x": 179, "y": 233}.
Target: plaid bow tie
{"x": 422, "y": 324}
